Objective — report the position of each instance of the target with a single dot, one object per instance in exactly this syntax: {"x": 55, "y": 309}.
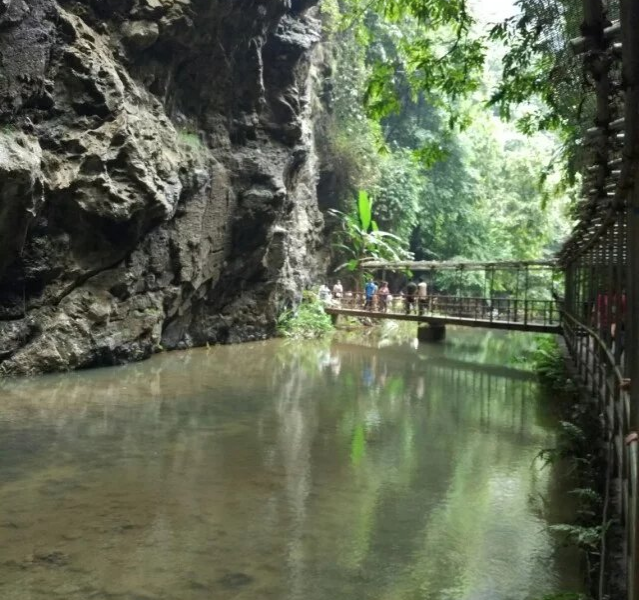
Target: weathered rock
{"x": 20, "y": 190}
{"x": 140, "y": 35}
{"x": 158, "y": 175}
{"x": 14, "y": 335}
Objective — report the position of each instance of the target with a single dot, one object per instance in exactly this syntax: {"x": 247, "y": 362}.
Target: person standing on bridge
{"x": 370, "y": 290}
{"x": 383, "y": 294}
{"x": 324, "y": 294}
{"x": 422, "y": 299}
{"x": 411, "y": 290}
{"x": 338, "y": 291}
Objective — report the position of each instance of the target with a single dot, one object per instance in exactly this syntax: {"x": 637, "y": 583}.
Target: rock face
{"x": 158, "y": 180}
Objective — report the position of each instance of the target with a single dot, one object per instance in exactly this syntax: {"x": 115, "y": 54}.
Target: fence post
{"x": 492, "y": 282}
{"x": 516, "y": 295}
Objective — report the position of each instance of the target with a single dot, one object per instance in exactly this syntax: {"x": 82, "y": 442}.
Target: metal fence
{"x": 600, "y": 318}
{"x": 602, "y": 376}
{"x": 496, "y": 310}
{"x": 596, "y": 320}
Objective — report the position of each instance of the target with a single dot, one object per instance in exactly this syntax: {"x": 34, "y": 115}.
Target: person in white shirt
{"x": 324, "y": 293}
{"x": 338, "y": 290}
{"x": 422, "y": 296}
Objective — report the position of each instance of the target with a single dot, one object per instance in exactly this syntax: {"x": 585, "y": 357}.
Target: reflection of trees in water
{"x": 297, "y": 424}
{"x": 366, "y": 471}
{"x": 462, "y": 343}
{"x": 485, "y": 418}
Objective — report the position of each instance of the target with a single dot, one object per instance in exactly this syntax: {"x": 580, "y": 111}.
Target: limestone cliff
{"x": 157, "y": 175}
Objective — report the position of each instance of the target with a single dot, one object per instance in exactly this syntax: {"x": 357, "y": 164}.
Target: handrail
{"x": 600, "y": 342}
{"x": 598, "y": 363}
{"x": 480, "y": 308}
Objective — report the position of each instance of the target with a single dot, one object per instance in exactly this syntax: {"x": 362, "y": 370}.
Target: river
{"x": 363, "y": 468}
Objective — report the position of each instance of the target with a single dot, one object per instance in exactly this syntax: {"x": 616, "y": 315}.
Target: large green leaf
{"x": 365, "y": 209}
{"x": 350, "y": 265}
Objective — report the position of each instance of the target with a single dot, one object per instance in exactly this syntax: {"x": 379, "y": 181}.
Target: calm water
{"x": 315, "y": 471}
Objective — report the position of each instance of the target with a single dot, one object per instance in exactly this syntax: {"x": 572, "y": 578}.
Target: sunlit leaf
{"x": 365, "y": 209}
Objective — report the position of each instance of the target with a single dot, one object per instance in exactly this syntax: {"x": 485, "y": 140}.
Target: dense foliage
{"x": 360, "y": 237}
{"x": 411, "y": 120}
{"x": 540, "y": 74}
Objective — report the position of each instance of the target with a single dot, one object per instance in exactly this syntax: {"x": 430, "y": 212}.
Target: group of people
{"x": 377, "y": 296}
{"x": 415, "y": 296}
{"x": 326, "y": 294}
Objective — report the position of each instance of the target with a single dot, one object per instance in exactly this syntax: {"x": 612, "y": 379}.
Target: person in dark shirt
{"x": 409, "y": 299}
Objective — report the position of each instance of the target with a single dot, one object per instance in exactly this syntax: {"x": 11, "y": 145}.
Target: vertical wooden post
{"x": 594, "y": 297}
{"x": 577, "y": 310}
{"x": 569, "y": 287}
{"x": 516, "y": 294}
{"x": 620, "y": 285}
{"x": 526, "y": 286}
{"x": 492, "y": 282}
{"x": 459, "y": 294}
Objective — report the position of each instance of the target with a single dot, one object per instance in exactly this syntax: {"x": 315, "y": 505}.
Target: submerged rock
{"x": 54, "y": 558}
{"x": 158, "y": 176}
{"x": 235, "y": 581}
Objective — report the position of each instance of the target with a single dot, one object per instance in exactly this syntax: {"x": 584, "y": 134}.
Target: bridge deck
{"x": 449, "y": 320}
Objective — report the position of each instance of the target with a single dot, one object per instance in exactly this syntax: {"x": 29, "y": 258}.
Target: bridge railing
{"x": 475, "y": 308}
{"x": 599, "y": 371}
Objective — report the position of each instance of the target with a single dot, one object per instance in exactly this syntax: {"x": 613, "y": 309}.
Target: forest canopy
{"x": 455, "y": 123}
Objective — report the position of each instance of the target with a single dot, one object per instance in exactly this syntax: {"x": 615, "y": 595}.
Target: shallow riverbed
{"x": 357, "y": 469}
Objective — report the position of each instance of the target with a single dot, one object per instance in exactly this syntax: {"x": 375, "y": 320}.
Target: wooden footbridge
{"x": 531, "y": 306}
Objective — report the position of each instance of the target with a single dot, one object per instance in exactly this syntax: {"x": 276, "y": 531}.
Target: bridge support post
{"x": 431, "y": 332}
{"x": 334, "y": 318}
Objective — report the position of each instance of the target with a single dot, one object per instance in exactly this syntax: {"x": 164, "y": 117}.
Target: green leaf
{"x": 365, "y": 209}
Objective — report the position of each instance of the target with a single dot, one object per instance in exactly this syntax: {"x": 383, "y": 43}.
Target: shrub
{"x": 307, "y": 321}
{"x": 548, "y": 361}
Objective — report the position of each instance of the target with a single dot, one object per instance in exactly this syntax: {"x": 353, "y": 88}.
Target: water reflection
{"x": 360, "y": 468}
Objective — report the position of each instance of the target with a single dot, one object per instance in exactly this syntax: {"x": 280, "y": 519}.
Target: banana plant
{"x": 359, "y": 237}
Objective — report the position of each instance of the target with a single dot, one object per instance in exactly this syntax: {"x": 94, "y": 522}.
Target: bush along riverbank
{"x": 306, "y": 321}
{"x": 579, "y": 452}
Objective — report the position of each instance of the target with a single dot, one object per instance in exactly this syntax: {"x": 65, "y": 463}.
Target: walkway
{"x": 601, "y": 262}
{"x": 529, "y": 307}
{"x": 523, "y": 324}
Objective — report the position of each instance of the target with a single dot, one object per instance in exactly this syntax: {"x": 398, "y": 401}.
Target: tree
{"x": 473, "y": 191}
